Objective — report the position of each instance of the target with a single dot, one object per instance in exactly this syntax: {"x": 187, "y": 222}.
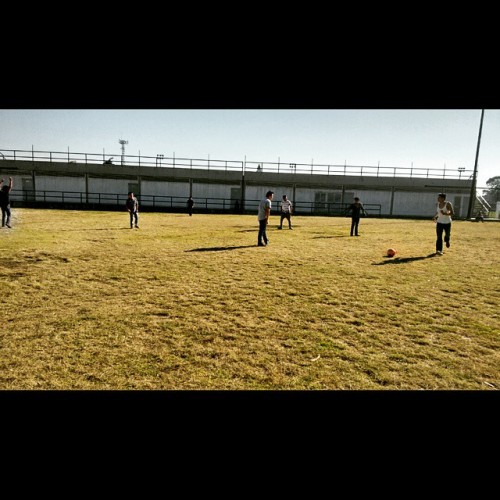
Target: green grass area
{"x": 193, "y": 303}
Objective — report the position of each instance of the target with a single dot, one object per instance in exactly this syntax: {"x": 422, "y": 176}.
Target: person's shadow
{"x": 218, "y": 249}
{"x": 402, "y": 260}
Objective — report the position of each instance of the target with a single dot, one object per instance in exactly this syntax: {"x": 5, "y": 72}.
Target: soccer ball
{"x": 391, "y": 252}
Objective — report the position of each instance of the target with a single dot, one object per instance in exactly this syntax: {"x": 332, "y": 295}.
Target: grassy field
{"x": 193, "y": 303}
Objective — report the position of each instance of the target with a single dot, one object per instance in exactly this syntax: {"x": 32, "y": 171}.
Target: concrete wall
{"x": 165, "y": 188}
{"x": 382, "y": 198}
{"x": 202, "y": 190}
{"x": 59, "y": 183}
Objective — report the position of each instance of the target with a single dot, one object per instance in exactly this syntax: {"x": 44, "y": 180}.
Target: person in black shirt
{"x": 5, "y": 202}
{"x": 356, "y": 210}
{"x": 190, "y": 205}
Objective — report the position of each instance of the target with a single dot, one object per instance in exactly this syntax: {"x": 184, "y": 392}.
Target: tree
{"x": 492, "y": 194}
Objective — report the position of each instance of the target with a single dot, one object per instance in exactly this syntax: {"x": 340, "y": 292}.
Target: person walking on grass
{"x": 133, "y": 207}
{"x": 286, "y": 212}
{"x": 356, "y": 210}
{"x": 5, "y": 202}
{"x": 442, "y": 218}
{"x": 190, "y": 205}
{"x": 263, "y": 217}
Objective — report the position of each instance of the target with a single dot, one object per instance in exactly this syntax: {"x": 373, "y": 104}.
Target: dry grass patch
{"x": 193, "y": 303}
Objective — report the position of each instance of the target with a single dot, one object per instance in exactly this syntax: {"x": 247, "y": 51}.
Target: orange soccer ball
{"x": 391, "y": 252}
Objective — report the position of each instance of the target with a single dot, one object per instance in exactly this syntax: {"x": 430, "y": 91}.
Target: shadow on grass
{"x": 404, "y": 260}
{"x": 269, "y": 228}
{"x": 87, "y": 229}
{"x": 328, "y": 237}
{"x": 219, "y": 249}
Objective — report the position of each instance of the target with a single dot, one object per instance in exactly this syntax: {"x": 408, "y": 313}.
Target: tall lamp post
{"x": 474, "y": 175}
{"x": 123, "y": 142}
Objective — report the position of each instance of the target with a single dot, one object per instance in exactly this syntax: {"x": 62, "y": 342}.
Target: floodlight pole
{"x": 474, "y": 175}
{"x": 123, "y": 142}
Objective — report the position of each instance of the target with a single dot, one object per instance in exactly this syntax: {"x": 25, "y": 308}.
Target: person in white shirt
{"x": 444, "y": 211}
{"x": 286, "y": 212}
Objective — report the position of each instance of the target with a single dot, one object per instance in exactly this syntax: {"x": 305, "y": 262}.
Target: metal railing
{"x": 162, "y": 202}
{"x": 161, "y": 161}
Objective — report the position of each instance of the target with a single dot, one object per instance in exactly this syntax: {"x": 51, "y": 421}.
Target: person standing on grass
{"x": 263, "y": 217}
{"x": 444, "y": 211}
{"x": 190, "y": 205}
{"x": 286, "y": 212}
{"x": 356, "y": 210}
{"x": 5, "y": 202}
{"x": 133, "y": 207}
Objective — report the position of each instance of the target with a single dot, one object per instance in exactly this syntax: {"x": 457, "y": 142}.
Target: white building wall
{"x": 307, "y": 194}
{"x": 53, "y": 183}
{"x": 213, "y": 196}
{"x": 157, "y": 188}
{"x": 254, "y": 194}
{"x": 164, "y": 194}
{"x": 50, "y": 188}
{"x": 174, "y": 194}
{"x": 257, "y": 193}
{"x": 382, "y": 198}
{"x": 408, "y": 203}
{"x": 202, "y": 190}
{"x": 111, "y": 186}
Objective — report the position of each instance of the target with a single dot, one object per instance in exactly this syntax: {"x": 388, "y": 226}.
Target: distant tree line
{"x": 492, "y": 194}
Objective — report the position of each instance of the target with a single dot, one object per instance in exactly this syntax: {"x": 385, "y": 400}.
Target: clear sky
{"x": 429, "y": 138}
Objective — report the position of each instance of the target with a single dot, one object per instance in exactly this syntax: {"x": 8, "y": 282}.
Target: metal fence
{"x": 161, "y": 161}
{"x": 171, "y": 203}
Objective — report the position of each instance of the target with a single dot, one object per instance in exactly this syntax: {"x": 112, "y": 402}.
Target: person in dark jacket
{"x": 190, "y": 205}
{"x": 356, "y": 210}
{"x": 5, "y": 202}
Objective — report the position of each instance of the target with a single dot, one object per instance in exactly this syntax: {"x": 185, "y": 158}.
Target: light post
{"x": 472, "y": 197}
{"x": 123, "y": 142}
